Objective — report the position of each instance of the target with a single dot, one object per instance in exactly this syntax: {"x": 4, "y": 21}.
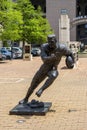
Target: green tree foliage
{"x": 4, "y": 5}
{"x": 36, "y": 28}
{"x": 20, "y": 21}
{"x": 27, "y": 10}
{"x": 11, "y": 29}
{"x": 11, "y": 21}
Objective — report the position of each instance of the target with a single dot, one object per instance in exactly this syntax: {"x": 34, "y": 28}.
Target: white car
{"x": 17, "y": 51}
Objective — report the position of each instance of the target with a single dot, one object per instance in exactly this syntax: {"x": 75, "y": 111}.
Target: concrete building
{"x": 53, "y": 14}
{"x": 76, "y": 10}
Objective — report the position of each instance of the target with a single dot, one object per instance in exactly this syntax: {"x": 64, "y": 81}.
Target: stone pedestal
{"x": 27, "y": 56}
{"x": 31, "y": 109}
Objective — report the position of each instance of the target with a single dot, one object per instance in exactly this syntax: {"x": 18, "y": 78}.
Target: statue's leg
{"x": 34, "y": 84}
{"x": 52, "y": 75}
{"x": 37, "y": 79}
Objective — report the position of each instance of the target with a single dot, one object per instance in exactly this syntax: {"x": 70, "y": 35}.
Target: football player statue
{"x": 51, "y": 54}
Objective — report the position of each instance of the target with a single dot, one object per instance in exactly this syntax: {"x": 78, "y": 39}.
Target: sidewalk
{"x": 68, "y": 95}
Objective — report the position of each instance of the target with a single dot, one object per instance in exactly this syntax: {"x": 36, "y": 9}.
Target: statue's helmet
{"x": 52, "y": 40}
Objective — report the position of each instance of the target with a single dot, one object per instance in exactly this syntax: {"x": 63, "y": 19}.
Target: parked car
{"x": 35, "y": 51}
{"x": 16, "y": 50}
{"x": 2, "y": 57}
{"x": 82, "y": 47}
{"x": 7, "y": 53}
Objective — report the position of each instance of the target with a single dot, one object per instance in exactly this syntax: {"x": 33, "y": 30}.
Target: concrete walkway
{"x": 68, "y": 95}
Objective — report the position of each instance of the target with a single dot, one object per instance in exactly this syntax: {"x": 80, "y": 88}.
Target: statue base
{"x": 35, "y": 108}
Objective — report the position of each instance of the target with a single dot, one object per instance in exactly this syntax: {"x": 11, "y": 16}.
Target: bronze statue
{"x": 51, "y": 54}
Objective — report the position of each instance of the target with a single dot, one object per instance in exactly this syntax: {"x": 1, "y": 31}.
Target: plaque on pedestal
{"x": 31, "y": 109}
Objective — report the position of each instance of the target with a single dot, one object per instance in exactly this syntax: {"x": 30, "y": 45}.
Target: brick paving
{"x": 68, "y": 95}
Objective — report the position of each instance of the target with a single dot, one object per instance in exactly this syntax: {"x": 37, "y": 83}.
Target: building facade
{"x": 76, "y": 10}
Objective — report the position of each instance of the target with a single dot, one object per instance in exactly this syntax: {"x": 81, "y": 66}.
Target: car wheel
{"x": 8, "y": 57}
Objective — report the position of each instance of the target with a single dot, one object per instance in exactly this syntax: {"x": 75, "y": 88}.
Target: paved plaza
{"x": 68, "y": 95}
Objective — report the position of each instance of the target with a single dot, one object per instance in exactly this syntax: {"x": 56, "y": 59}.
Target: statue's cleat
{"x": 39, "y": 92}
{"x": 36, "y": 104}
{"x": 23, "y": 101}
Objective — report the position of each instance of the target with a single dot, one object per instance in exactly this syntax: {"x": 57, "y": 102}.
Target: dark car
{"x": 35, "y": 51}
{"x": 82, "y": 47}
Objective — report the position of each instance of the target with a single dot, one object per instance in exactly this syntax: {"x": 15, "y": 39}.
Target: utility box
{"x": 27, "y": 52}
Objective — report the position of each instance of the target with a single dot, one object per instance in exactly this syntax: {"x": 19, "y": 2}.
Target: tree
{"x": 38, "y": 28}
{"x": 20, "y": 21}
{"x": 11, "y": 20}
{"x": 35, "y": 28}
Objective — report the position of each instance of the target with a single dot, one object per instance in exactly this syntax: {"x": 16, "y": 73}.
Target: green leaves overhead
{"x": 11, "y": 20}
{"x": 20, "y": 21}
